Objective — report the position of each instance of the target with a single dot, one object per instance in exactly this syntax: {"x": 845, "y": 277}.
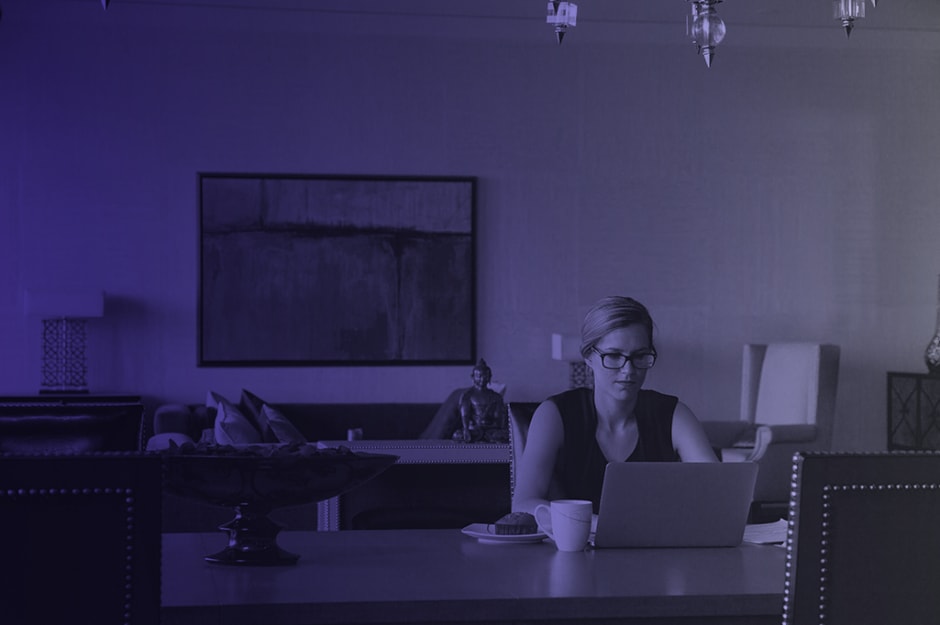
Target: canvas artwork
{"x": 310, "y": 269}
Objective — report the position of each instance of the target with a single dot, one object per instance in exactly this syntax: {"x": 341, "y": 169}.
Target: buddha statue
{"x": 483, "y": 416}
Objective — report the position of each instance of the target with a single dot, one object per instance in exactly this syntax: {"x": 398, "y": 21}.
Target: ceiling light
{"x": 562, "y": 15}
{"x": 847, "y": 11}
{"x": 707, "y": 29}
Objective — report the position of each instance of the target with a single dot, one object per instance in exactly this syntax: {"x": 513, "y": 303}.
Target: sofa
{"x": 407, "y": 495}
{"x": 392, "y": 421}
{"x": 314, "y": 421}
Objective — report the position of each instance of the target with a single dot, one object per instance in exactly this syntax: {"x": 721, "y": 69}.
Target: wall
{"x": 787, "y": 193}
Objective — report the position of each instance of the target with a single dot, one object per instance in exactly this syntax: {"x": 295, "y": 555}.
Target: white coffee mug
{"x": 567, "y": 522}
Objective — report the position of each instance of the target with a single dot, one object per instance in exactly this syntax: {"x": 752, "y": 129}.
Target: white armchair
{"x": 788, "y": 397}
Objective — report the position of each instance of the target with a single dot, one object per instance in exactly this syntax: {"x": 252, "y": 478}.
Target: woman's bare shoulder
{"x": 689, "y": 436}
{"x": 546, "y": 419}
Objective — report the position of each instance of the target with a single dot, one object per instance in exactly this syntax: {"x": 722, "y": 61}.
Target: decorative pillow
{"x": 172, "y": 418}
{"x": 747, "y": 439}
{"x": 278, "y": 428}
{"x": 789, "y": 384}
{"x": 213, "y": 399}
{"x": 447, "y": 418}
{"x": 166, "y": 440}
{"x": 207, "y": 437}
{"x": 251, "y": 406}
{"x": 210, "y": 409}
{"x": 232, "y": 427}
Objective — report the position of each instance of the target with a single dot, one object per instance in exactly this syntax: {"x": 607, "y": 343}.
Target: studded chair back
{"x": 81, "y": 539}
{"x": 863, "y": 545}
{"x": 520, "y": 417}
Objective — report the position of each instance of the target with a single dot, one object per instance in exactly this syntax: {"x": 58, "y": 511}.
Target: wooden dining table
{"x": 430, "y": 577}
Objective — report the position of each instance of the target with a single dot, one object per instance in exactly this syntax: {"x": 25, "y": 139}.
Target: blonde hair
{"x": 612, "y": 313}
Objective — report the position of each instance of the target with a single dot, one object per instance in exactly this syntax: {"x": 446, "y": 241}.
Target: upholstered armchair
{"x": 788, "y": 397}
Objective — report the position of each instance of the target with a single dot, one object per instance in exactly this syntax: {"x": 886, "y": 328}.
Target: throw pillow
{"x": 172, "y": 418}
{"x": 447, "y": 418}
{"x": 251, "y": 406}
{"x": 232, "y": 427}
{"x": 166, "y": 440}
{"x": 207, "y": 437}
{"x": 747, "y": 439}
{"x": 278, "y": 428}
{"x": 212, "y": 401}
{"x": 211, "y": 408}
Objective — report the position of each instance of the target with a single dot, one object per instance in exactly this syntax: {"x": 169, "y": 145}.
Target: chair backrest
{"x": 520, "y": 417}
{"x": 81, "y": 539}
{"x": 863, "y": 539}
{"x": 790, "y": 384}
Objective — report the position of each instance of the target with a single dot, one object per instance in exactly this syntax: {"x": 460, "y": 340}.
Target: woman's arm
{"x": 536, "y": 468}
{"x": 688, "y": 437}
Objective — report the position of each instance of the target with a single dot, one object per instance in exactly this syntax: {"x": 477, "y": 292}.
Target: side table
{"x": 70, "y": 423}
{"x": 434, "y": 484}
{"x": 913, "y": 411}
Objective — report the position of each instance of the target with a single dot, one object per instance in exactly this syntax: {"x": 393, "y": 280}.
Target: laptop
{"x": 674, "y": 504}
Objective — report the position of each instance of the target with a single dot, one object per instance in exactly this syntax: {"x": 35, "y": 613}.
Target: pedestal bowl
{"x": 255, "y": 479}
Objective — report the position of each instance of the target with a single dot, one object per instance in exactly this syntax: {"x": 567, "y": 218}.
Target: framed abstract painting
{"x": 300, "y": 270}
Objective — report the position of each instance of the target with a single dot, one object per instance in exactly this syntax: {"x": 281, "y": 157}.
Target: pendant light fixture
{"x": 707, "y": 29}
{"x": 704, "y": 26}
{"x": 562, "y": 15}
{"x": 847, "y": 11}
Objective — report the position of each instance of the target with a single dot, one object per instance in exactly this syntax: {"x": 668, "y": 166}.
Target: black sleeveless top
{"x": 581, "y": 463}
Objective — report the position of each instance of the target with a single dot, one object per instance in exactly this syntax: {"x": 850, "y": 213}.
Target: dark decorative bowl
{"x": 256, "y": 479}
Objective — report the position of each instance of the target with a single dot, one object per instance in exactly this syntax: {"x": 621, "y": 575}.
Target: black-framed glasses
{"x": 616, "y": 360}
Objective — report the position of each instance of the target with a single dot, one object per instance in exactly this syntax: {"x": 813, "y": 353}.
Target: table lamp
{"x": 64, "y": 315}
{"x": 568, "y": 348}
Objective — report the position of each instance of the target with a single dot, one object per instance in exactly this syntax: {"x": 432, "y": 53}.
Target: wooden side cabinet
{"x": 913, "y": 411}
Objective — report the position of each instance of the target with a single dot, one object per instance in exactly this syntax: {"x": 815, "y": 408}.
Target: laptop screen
{"x": 674, "y": 504}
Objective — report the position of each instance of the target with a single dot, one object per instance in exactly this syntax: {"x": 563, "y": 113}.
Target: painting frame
{"x": 336, "y": 270}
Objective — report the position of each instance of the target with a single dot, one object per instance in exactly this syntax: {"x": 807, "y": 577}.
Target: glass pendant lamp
{"x": 707, "y": 29}
{"x": 847, "y": 11}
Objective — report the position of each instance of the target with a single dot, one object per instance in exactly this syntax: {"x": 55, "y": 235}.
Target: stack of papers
{"x": 766, "y": 533}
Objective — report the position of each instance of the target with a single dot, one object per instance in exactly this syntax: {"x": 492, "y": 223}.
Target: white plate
{"x": 486, "y": 533}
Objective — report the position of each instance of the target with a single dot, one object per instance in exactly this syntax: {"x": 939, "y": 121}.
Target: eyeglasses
{"x": 616, "y": 360}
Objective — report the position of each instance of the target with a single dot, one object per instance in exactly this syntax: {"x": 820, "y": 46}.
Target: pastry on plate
{"x": 516, "y": 523}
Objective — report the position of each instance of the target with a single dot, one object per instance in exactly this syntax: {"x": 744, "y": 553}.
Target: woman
{"x": 573, "y": 435}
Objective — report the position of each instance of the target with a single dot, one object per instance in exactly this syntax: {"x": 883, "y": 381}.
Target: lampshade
{"x": 566, "y": 347}
{"x": 65, "y": 304}
{"x": 64, "y": 314}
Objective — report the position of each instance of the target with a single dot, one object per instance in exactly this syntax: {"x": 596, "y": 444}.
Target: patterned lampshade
{"x": 64, "y": 315}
